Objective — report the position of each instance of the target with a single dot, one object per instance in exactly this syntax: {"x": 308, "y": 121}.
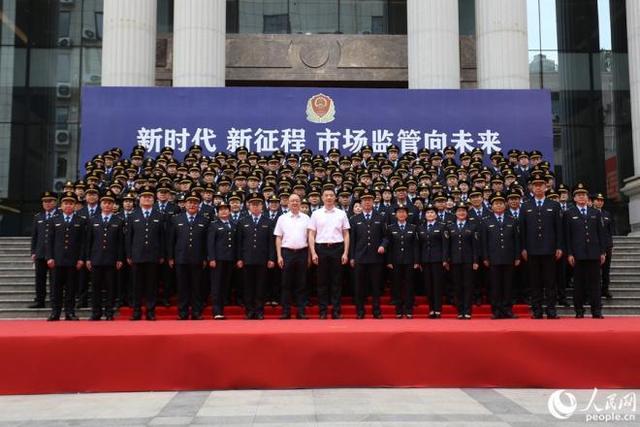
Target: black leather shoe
{"x": 285, "y": 316}
{"x": 409, "y": 315}
{"x": 94, "y": 317}
{"x": 460, "y": 316}
{"x": 53, "y": 318}
{"x": 165, "y": 303}
{"x": 553, "y": 316}
{"x": 597, "y": 316}
{"x": 377, "y": 315}
{"x": 360, "y": 316}
{"x": 537, "y": 316}
{"x": 36, "y": 305}
{"x": 579, "y": 316}
{"x": 136, "y": 315}
{"x": 248, "y": 316}
{"x": 71, "y": 316}
{"x": 183, "y": 317}
{"x": 259, "y": 316}
{"x": 151, "y": 316}
{"x": 607, "y": 295}
{"x": 109, "y": 317}
{"x": 510, "y": 316}
{"x": 301, "y": 316}
{"x": 336, "y": 315}
{"x": 495, "y": 317}
{"x": 197, "y": 317}
{"x": 323, "y": 316}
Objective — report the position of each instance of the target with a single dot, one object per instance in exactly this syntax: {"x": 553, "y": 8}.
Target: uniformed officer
{"x": 542, "y": 240}
{"x": 500, "y": 241}
{"x": 402, "y": 257}
{"x": 366, "y": 254}
{"x": 608, "y": 228}
{"x": 168, "y": 209}
{"x": 586, "y": 251}
{"x": 65, "y": 254}
{"x": 400, "y": 190}
{"x": 39, "y": 241}
{"x": 105, "y": 255}
{"x": 90, "y": 210}
{"x": 256, "y": 253}
{"x": 222, "y": 255}
{"x": 186, "y": 251}
{"x": 145, "y": 249}
{"x": 274, "y": 275}
{"x": 463, "y": 254}
{"x": 433, "y": 237}
{"x": 124, "y": 289}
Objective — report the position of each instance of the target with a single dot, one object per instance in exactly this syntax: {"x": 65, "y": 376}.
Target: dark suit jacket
{"x": 105, "y": 242}
{"x": 365, "y": 237}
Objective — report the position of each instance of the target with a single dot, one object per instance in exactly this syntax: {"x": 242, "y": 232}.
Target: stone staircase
{"x": 17, "y": 281}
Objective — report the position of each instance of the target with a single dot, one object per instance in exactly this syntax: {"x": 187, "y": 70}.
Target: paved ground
{"x": 327, "y": 407}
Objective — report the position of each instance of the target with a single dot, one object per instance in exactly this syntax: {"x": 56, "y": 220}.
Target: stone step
{"x": 36, "y": 313}
{"x": 608, "y": 310}
{"x": 19, "y": 303}
{"x": 17, "y": 271}
{"x": 21, "y": 262}
{"x": 10, "y": 281}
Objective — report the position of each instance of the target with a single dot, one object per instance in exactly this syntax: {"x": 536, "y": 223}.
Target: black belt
{"x": 295, "y": 250}
{"x": 329, "y": 245}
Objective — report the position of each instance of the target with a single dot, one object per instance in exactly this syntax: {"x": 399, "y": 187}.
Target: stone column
{"x": 502, "y": 48}
{"x": 199, "y": 32}
{"x": 433, "y": 44}
{"x": 632, "y": 184}
{"x": 129, "y": 43}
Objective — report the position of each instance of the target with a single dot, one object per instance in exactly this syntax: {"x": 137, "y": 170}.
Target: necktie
{"x": 162, "y": 207}
{"x": 367, "y": 217}
{"x": 500, "y": 220}
{"x": 441, "y": 217}
{"x": 430, "y": 227}
{"x": 402, "y": 227}
{"x": 48, "y": 217}
{"x": 255, "y": 220}
{"x": 460, "y": 226}
{"x": 584, "y": 212}
{"x": 146, "y": 215}
{"x": 539, "y": 203}
{"x": 235, "y": 217}
{"x": 67, "y": 219}
{"x": 91, "y": 212}
{"x": 226, "y": 224}
{"x": 190, "y": 219}
{"x": 478, "y": 212}
{"x": 105, "y": 219}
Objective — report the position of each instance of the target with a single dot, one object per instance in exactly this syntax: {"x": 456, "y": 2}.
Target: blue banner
{"x": 291, "y": 119}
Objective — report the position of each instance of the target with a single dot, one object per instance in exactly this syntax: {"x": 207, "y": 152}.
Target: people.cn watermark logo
{"x": 562, "y": 404}
{"x": 614, "y": 407}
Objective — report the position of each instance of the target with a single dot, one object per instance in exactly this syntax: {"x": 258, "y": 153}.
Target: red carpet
{"x": 41, "y": 357}
{"x": 348, "y": 310}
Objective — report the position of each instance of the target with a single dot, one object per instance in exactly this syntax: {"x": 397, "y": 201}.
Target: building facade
{"x": 582, "y": 51}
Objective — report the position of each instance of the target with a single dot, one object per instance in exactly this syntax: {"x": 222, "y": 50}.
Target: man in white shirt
{"x": 293, "y": 256}
{"x": 329, "y": 247}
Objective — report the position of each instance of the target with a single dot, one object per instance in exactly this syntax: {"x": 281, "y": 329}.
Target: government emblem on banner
{"x": 320, "y": 109}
